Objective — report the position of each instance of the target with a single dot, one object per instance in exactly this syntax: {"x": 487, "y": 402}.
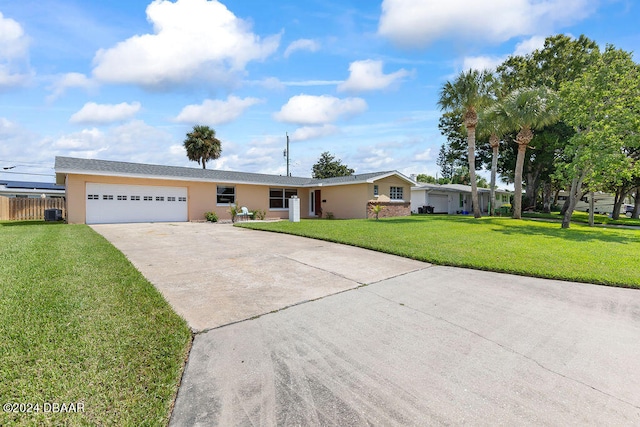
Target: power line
{"x": 17, "y": 162}
{"x": 26, "y": 173}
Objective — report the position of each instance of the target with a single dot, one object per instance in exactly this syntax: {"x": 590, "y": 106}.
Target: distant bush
{"x": 211, "y": 216}
{"x": 329, "y": 215}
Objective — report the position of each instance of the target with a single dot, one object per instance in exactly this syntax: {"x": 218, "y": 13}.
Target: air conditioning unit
{"x": 53, "y": 214}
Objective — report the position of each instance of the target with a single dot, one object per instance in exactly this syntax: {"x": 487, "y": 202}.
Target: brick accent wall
{"x": 389, "y": 209}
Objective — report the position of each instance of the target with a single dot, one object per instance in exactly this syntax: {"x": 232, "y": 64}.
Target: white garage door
{"x": 111, "y": 203}
{"x": 440, "y": 203}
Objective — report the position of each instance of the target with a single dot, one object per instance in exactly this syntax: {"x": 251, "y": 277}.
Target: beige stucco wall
{"x": 201, "y": 196}
{"x": 344, "y": 201}
{"x": 385, "y": 184}
{"x": 350, "y": 201}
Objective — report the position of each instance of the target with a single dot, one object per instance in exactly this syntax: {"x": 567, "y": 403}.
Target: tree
{"x": 427, "y": 179}
{"x": 202, "y": 145}
{"x": 493, "y": 125}
{"x": 468, "y": 93}
{"x": 602, "y": 106}
{"x": 525, "y": 110}
{"x": 328, "y": 167}
{"x": 561, "y": 60}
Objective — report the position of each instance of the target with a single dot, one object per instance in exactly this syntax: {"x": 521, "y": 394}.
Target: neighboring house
{"x": 101, "y": 191}
{"x": 31, "y": 190}
{"x": 453, "y": 198}
{"x": 602, "y": 202}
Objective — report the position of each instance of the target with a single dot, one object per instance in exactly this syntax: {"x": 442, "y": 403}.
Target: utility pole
{"x": 286, "y": 153}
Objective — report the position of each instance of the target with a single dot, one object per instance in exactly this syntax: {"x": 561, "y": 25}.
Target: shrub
{"x": 259, "y": 214}
{"x": 377, "y": 209}
{"x": 211, "y": 216}
{"x": 233, "y": 210}
{"x": 329, "y": 215}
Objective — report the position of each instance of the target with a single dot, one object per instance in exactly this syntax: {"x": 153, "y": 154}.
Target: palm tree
{"x": 494, "y": 126}
{"x": 468, "y": 93}
{"x": 524, "y": 110}
{"x": 202, "y": 145}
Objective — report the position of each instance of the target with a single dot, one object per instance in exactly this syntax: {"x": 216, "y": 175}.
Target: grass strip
{"x": 80, "y": 324}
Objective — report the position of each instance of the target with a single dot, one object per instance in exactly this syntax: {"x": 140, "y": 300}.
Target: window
{"x": 279, "y": 197}
{"x": 148, "y": 198}
{"x": 375, "y": 191}
{"x": 107, "y": 197}
{"x": 135, "y": 198}
{"x": 122, "y": 197}
{"x": 563, "y": 198}
{"x": 182, "y": 199}
{"x": 93, "y": 197}
{"x": 171, "y": 199}
{"x": 225, "y": 195}
{"x": 395, "y": 193}
{"x": 461, "y": 200}
{"x": 159, "y": 198}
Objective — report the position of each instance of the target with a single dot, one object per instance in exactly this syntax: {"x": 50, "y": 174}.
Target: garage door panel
{"x": 117, "y": 203}
{"x": 440, "y": 203}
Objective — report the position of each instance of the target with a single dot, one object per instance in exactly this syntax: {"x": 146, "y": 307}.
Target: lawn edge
{"x": 458, "y": 265}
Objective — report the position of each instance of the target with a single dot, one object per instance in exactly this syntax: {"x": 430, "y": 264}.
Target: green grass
{"x": 583, "y": 218}
{"x": 80, "y": 324}
{"x": 607, "y": 256}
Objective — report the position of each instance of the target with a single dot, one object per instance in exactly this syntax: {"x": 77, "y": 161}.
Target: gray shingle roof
{"x": 109, "y": 167}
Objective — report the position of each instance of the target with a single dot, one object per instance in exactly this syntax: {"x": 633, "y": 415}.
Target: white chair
{"x": 244, "y": 213}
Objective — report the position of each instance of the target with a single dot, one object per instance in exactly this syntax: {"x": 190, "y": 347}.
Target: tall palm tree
{"x": 468, "y": 93}
{"x": 202, "y": 145}
{"x": 493, "y": 126}
{"x": 525, "y": 110}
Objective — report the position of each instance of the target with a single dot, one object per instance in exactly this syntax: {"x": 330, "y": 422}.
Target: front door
{"x": 318, "y": 203}
{"x": 315, "y": 203}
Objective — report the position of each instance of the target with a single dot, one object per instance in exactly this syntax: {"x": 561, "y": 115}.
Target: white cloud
{"x": 133, "y": 141}
{"x": 317, "y": 110}
{"x": 313, "y": 83}
{"x": 367, "y": 75}
{"x": 490, "y": 63}
{"x": 105, "y": 113}
{"x": 302, "y": 44}
{"x": 215, "y": 112}
{"x": 271, "y": 83}
{"x": 310, "y": 132}
{"x": 417, "y": 23}
{"x": 526, "y": 47}
{"x": 85, "y": 140}
{"x": 374, "y": 158}
{"x": 481, "y": 63}
{"x": 14, "y": 54}
{"x": 192, "y": 39}
{"x": 177, "y": 150}
{"x": 6, "y": 126}
{"x": 424, "y": 155}
{"x": 67, "y": 81}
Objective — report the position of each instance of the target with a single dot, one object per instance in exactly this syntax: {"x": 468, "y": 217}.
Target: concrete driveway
{"x": 420, "y": 345}
{"x": 217, "y": 274}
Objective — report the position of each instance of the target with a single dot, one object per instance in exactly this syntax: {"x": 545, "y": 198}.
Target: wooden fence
{"x": 20, "y": 209}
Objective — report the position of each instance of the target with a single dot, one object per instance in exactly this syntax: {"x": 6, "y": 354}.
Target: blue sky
{"x": 126, "y": 80}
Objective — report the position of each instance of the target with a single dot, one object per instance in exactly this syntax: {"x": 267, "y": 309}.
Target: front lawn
{"x": 80, "y": 325}
{"x": 607, "y": 256}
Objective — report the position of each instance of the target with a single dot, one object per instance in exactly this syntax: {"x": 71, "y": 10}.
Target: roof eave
{"x": 172, "y": 178}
